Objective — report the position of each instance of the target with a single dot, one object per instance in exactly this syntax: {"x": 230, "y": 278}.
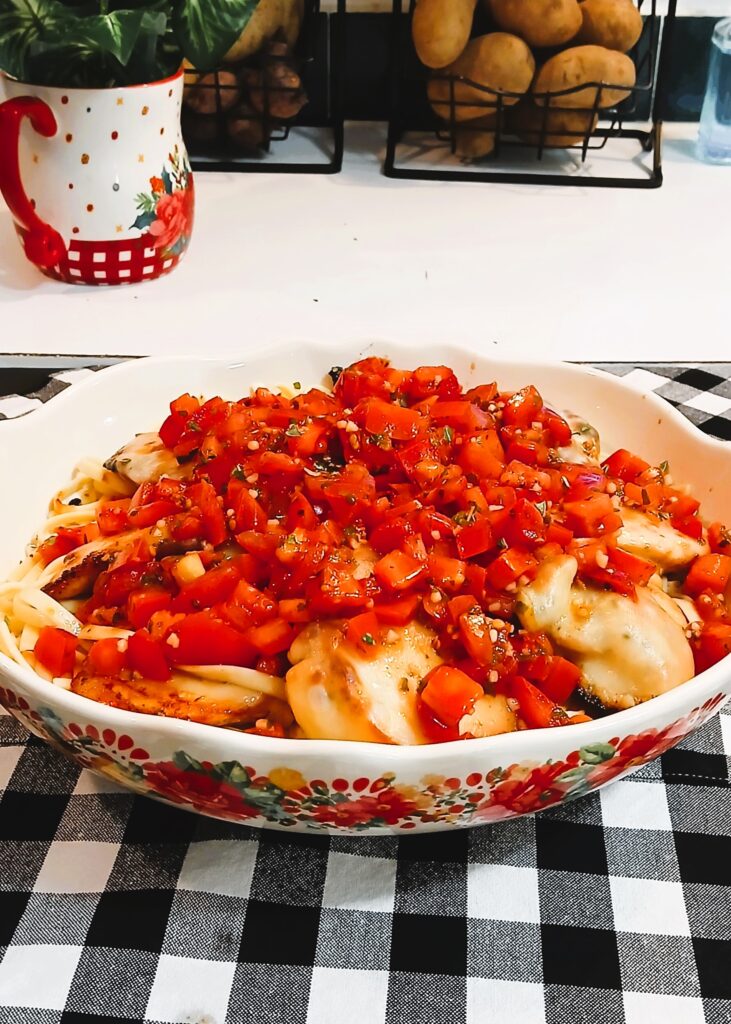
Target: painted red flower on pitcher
{"x": 171, "y": 220}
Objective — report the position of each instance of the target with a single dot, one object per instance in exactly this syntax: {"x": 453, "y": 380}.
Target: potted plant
{"x": 92, "y": 160}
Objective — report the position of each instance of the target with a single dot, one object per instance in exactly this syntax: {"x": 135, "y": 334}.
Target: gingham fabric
{"x": 613, "y": 910}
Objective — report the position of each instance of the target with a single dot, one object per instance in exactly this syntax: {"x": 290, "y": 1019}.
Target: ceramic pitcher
{"x": 97, "y": 180}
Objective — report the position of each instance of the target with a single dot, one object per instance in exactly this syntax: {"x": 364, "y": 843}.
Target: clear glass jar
{"x": 714, "y": 137}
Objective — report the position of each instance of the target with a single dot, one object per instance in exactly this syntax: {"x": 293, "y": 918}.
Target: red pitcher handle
{"x": 43, "y": 244}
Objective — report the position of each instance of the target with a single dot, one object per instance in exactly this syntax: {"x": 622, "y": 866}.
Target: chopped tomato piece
{"x": 462, "y": 415}
{"x": 147, "y": 656}
{"x": 561, "y": 679}
{"x": 142, "y": 516}
{"x": 558, "y": 429}
{"x": 112, "y": 516}
{"x": 592, "y": 517}
{"x": 364, "y": 632}
{"x": 206, "y": 640}
{"x": 204, "y": 498}
{"x": 294, "y": 609}
{"x": 398, "y": 612}
{"x": 475, "y": 538}
{"x": 301, "y": 513}
{"x": 394, "y": 421}
{"x": 509, "y": 566}
{"x": 398, "y": 571}
{"x": 639, "y": 570}
{"x": 271, "y": 637}
{"x": 483, "y": 455}
{"x": 625, "y": 465}
{"x": 719, "y": 538}
{"x": 536, "y": 709}
{"x": 211, "y": 588}
{"x": 432, "y": 380}
{"x": 474, "y": 629}
{"x": 106, "y": 659}
{"x": 447, "y": 573}
{"x": 56, "y": 650}
{"x": 142, "y": 605}
{"x": 712, "y": 645}
{"x": 450, "y": 693}
{"x": 709, "y": 572}
{"x": 522, "y": 408}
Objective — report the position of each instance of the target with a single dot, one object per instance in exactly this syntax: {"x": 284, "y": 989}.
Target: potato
{"x": 582, "y": 64}
{"x": 563, "y": 127}
{"x": 270, "y": 17}
{"x": 210, "y": 93}
{"x": 441, "y": 29}
{"x": 539, "y": 22}
{"x": 477, "y": 139}
{"x": 498, "y": 61}
{"x": 277, "y": 88}
{"x": 616, "y": 24}
{"x": 245, "y": 128}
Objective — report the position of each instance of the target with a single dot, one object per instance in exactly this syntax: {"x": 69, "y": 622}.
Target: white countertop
{"x": 571, "y": 272}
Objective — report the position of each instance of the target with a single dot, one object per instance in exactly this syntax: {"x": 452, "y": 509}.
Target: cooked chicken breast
{"x": 336, "y": 693}
{"x": 655, "y": 539}
{"x": 491, "y": 716}
{"x": 627, "y": 650}
{"x": 585, "y": 446}
{"x": 74, "y": 574}
{"x": 194, "y": 699}
{"x": 146, "y": 459}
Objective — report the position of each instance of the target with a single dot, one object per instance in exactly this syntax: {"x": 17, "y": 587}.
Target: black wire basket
{"x": 279, "y": 110}
{"x": 559, "y": 141}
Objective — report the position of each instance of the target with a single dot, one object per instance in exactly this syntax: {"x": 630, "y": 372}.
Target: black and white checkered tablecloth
{"x": 614, "y": 910}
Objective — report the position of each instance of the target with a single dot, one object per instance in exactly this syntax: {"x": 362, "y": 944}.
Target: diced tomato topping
{"x": 147, "y": 656}
{"x": 56, "y": 650}
{"x": 625, "y": 465}
{"x": 398, "y": 571}
{"x": 474, "y": 538}
{"x": 398, "y": 612}
{"x": 713, "y": 644}
{"x": 509, "y": 566}
{"x": 364, "y": 632}
{"x": 709, "y": 572}
{"x": 450, "y": 693}
{"x": 271, "y": 637}
{"x": 203, "y": 639}
{"x": 112, "y": 516}
{"x": 142, "y": 605}
{"x": 106, "y": 659}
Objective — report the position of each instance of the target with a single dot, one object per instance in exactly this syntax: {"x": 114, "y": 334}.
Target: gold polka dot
{"x": 162, "y": 131}
{"x": 64, "y": 99}
{"x": 85, "y": 158}
{"x": 89, "y": 207}
{"x": 69, "y": 136}
{"x": 75, "y": 230}
{"x": 35, "y": 158}
{"x": 33, "y": 203}
{"x": 120, "y": 101}
{"x": 170, "y": 92}
{"x": 119, "y": 229}
{"x": 145, "y": 110}
{"x": 141, "y": 158}
{"x": 71, "y": 184}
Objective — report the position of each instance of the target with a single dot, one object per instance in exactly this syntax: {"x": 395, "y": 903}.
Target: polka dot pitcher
{"x": 97, "y": 180}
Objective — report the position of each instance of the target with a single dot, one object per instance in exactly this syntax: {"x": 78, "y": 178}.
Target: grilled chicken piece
{"x": 75, "y": 573}
{"x": 194, "y": 699}
{"x": 146, "y": 459}
{"x": 628, "y": 651}
{"x": 585, "y": 446}
{"x": 655, "y": 539}
{"x": 490, "y": 716}
{"x": 336, "y": 693}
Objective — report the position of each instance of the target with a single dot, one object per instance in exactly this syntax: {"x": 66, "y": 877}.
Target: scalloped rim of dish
{"x": 630, "y": 720}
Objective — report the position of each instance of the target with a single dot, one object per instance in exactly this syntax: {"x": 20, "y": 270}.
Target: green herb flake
{"x": 565, "y": 482}
{"x": 542, "y": 507}
{"x": 448, "y": 435}
{"x": 192, "y": 425}
{"x": 297, "y": 386}
{"x": 238, "y": 472}
{"x": 293, "y": 430}
{"x": 645, "y": 497}
{"x": 664, "y": 467}
{"x": 367, "y": 638}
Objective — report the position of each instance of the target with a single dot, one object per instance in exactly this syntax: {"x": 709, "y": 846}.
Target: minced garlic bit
{"x": 493, "y": 675}
{"x": 341, "y": 424}
{"x": 173, "y": 640}
{"x": 602, "y": 559}
{"x": 494, "y": 635}
{"x": 253, "y": 446}
{"x": 122, "y": 645}
{"x": 436, "y": 597}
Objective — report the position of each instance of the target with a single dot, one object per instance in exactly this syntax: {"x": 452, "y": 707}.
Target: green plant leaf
{"x": 22, "y": 23}
{"x": 167, "y": 181}
{"x": 206, "y": 29}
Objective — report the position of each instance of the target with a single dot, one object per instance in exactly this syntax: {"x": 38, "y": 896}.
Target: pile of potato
{"x": 258, "y": 89}
{"x": 540, "y": 47}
